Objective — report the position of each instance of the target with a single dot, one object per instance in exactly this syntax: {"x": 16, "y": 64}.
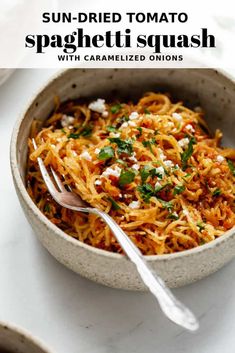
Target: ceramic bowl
{"x": 212, "y": 90}
{"x": 16, "y": 340}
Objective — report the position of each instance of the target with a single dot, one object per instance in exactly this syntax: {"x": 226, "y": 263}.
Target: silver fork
{"x": 172, "y": 307}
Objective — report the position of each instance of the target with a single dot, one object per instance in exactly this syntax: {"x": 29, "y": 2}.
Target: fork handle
{"x": 173, "y": 308}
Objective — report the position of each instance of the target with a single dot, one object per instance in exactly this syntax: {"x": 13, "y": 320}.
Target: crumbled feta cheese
{"x": 120, "y": 195}
{"x": 161, "y": 154}
{"x": 185, "y": 212}
{"x": 113, "y": 134}
{"x": 67, "y": 120}
{"x": 98, "y": 106}
{"x": 98, "y": 182}
{"x": 177, "y": 116}
{"x": 97, "y": 150}
{"x": 114, "y": 172}
{"x": 169, "y": 164}
{"x": 134, "y": 205}
{"x": 160, "y": 170}
{"x": 170, "y": 124}
{"x": 135, "y": 166}
{"x": 133, "y": 158}
{"x": 133, "y": 116}
{"x": 220, "y": 159}
{"x": 131, "y": 123}
{"x": 157, "y": 185}
{"x": 125, "y": 124}
{"x": 105, "y": 114}
{"x": 86, "y": 155}
{"x": 183, "y": 142}
{"x": 190, "y": 128}
{"x": 74, "y": 153}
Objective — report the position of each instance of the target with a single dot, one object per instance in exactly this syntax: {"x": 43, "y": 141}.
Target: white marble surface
{"x": 74, "y": 315}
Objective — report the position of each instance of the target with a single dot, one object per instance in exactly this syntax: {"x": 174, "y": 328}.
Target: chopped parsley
{"x": 147, "y": 171}
{"x": 178, "y": 189}
{"x": 116, "y": 108}
{"x": 201, "y": 226}
{"x": 106, "y": 153}
{"x": 85, "y": 132}
{"x": 124, "y": 146}
{"x": 187, "y": 153}
{"x": 146, "y": 191}
{"x": 231, "y": 166}
{"x": 111, "y": 129}
{"x": 168, "y": 205}
{"x": 217, "y": 192}
{"x": 126, "y": 177}
{"x": 115, "y": 206}
{"x": 63, "y": 130}
{"x": 161, "y": 187}
{"x": 140, "y": 132}
{"x": 149, "y": 143}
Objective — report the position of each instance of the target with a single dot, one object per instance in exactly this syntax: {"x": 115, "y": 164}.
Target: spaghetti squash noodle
{"x": 152, "y": 165}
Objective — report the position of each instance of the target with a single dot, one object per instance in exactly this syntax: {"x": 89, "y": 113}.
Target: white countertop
{"x": 71, "y": 314}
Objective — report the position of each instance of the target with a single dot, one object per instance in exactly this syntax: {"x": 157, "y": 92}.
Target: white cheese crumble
{"x": 131, "y": 123}
{"x": 67, "y": 120}
{"x": 170, "y": 124}
{"x": 113, "y": 134}
{"x": 169, "y": 164}
{"x": 160, "y": 170}
{"x": 98, "y": 182}
{"x": 133, "y": 116}
{"x": 162, "y": 155}
{"x": 97, "y": 150}
{"x": 105, "y": 114}
{"x": 125, "y": 124}
{"x": 157, "y": 185}
{"x": 134, "y": 205}
{"x": 135, "y": 166}
{"x": 183, "y": 142}
{"x": 86, "y": 155}
{"x": 220, "y": 159}
{"x": 177, "y": 116}
{"x": 190, "y": 128}
{"x": 133, "y": 158}
{"x": 98, "y": 106}
{"x": 114, "y": 172}
{"x": 185, "y": 212}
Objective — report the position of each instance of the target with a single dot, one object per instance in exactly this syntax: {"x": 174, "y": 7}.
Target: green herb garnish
{"x": 173, "y": 216}
{"x": 231, "y": 166}
{"x": 116, "y": 108}
{"x": 120, "y": 161}
{"x": 124, "y": 146}
{"x": 115, "y": 206}
{"x": 188, "y": 153}
{"x": 201, "y": 226}
{"x": 111, "y": 129}
{"x": 149, "y": 143}
{"x": 146, "y": 191}
{"x": 140, "y": 132}
{"x": 147, "y": 171}
{"x": 168, "y": 205}
{"x": 178, "y": 189}
{"x": 85, "y": 132}
{"x": 106, "y": 153}
{"x": 126, "y": 177}
{"x": 217, "y": 192}
{"x": 63, "y": 130}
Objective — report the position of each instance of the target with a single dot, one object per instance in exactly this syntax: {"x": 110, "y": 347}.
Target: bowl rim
{"x": 73, "y": 241}
{"x": 22, "y": 331}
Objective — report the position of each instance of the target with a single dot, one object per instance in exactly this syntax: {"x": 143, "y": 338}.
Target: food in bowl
{"x": 152, "y": 165}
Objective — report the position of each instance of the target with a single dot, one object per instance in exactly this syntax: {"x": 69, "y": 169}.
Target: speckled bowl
{"x": 16, "y": 340}
{"x": 212, "y": 90}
